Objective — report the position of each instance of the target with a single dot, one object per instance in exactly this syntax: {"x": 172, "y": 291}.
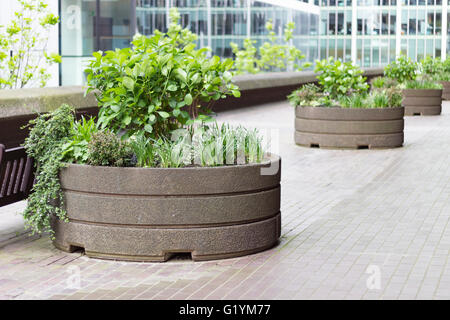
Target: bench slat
{"x": 16, "y": 175}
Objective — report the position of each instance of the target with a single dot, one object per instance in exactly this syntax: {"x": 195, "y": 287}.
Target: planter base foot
{"x": 347, "y": 141}
{"x": 160, "y": 244}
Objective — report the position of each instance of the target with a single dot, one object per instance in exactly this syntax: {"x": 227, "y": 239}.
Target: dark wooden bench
{"x": 16, "y": 175}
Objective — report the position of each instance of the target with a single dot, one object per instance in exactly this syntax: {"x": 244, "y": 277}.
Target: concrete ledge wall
{"x": 17, "y": 107}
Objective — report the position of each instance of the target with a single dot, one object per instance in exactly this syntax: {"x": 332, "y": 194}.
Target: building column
{"x": 354, "y": 30}
{"x": 249, "y": 18}
{"x": 398, "y": 30}
{"x": 209, "y": 23}
{"x": 444, "y": 30}
{"x": 168, "y": 12}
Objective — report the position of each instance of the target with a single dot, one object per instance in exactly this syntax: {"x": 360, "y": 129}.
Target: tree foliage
{"x": 272, "y": 55}
{"x": 24, "y": 59}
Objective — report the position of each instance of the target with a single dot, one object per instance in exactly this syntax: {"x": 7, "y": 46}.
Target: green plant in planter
{"x": 432, "y": 67}
{"x": 422, "y": 84}
{"x": 44, "y": 144}
{"x": 443, "y": 76}
{"x": 311, "y": 96}
{"x": 160, "y": 84}
{"x": 403, "y": 69}
{"x": 383, "y": 83}
{"x": 106, "y": 149}
{"x": 339, "y": 78}
{"x": 75, "y": 150}
{"x": 384, "y": 98}
{"x": 308, "y": 95}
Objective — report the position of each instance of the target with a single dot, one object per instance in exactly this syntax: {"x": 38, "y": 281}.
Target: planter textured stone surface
{"x": 337, "y": 127}
{"x": 422, "y": 102}
{"x": 149, "y": 214}
{"x": 445, "y": 90}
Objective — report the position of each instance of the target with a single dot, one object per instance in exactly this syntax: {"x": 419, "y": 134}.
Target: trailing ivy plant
{"x": 403, "y": 69}
{"x": 339, "y": 78}
{"x": 45, "y": 145}
{"x": 24, "y": 59}
{"x": 160, "y": 84}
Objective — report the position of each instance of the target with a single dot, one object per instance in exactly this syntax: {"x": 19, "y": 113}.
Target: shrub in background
{"x": 339, "y": 78}
{"x": 273, "y": 55}
{"x": 160, "y": 84}
{"x": 403, "y": 69}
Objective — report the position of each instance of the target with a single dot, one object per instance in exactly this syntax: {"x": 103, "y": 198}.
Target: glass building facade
{"x": 373, "y": 32}
{"x": 91, "y": 25}
{"x": 369, "y": 32}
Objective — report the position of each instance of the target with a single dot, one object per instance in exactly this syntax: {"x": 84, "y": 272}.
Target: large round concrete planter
{"x": 349, "y": 128}
{"x": 422, "y": 102}
{"x": 149, "y": 214}
{"x": 445, "y": 90}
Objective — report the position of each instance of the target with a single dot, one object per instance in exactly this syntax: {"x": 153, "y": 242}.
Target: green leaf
{"x": 127, "y": 120}
{"x": 181, "y": 74}
{"x": 128, "y": 83}
{"x": 188, "y": 99}
{"x": 148, "y": 128}
{"x": 115, "y": 108}
{"x": 164, "y": 114}
{"x": 172, "y": 87}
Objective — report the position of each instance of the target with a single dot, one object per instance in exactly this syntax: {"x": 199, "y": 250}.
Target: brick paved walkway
{"x": 348, "y": 216}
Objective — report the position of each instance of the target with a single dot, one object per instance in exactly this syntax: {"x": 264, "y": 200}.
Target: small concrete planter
{"x": 337, "y": 127}
{"x": 445, "y": 90}
{"x": 422, "y": 102}
{"x": 149, "y": 214}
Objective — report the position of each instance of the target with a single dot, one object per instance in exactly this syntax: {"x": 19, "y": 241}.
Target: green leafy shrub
{"x": 339, "y": 78}
{"x": 45, "y": 145}
{"x": 160, "y": 84}
{"x": 403, "y": 69}
{"x": 107, "y": 149}
{"x": 431, "y": 66}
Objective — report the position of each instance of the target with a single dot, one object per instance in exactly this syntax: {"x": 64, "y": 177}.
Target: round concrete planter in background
{"x": 422, "y": 102}
{"x": 149, "y": 214}
{"x": 337, "y": 127}
{"x": 445, "y": 90}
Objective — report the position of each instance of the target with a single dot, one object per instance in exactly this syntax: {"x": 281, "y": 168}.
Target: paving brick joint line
{"x": 356, "y": 224}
